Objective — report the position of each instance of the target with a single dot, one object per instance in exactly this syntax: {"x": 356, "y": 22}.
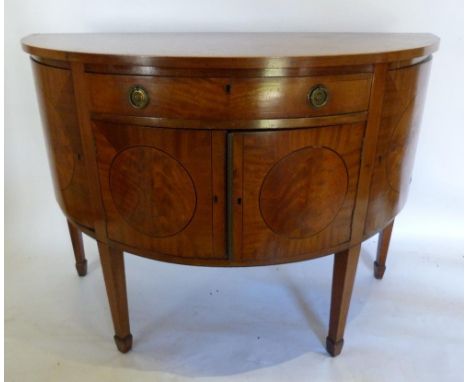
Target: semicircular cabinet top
{"x": 232, "y": 50}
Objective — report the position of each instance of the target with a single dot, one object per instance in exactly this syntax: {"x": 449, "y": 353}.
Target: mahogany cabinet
{"x": 231, "y": 149}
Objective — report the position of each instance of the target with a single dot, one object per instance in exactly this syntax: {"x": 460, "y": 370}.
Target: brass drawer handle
{"x": 318, "y": 96}
{"x": 138, "y": 97}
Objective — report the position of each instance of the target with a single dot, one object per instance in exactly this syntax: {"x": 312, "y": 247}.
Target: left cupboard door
{"x": 162, "y": 194}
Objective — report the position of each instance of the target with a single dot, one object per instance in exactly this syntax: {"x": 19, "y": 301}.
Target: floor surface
{"x": 233, "y": 324}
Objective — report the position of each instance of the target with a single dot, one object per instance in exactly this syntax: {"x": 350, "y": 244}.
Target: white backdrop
{"x": 435, "y": 205}
{"x": 437, "y": 182}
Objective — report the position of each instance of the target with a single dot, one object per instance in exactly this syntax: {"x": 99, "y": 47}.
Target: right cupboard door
{"x": 292, "y": 192}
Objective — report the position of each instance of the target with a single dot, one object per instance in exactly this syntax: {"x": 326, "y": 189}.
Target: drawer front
{"x": 229, "y": 98}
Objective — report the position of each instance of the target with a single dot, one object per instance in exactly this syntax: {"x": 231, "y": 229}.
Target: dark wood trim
{"x": 223, "y": 262}
{"x": 264, "y": 124}
{"x": 382, "y": 251}
{"x": 80, "y": 86}
{"x": 344, "y": 273}
{"x": 51, "y": 63}
{"x": 113, "y": 268}
{"x": 225, "y": 73}
{"x": 236, "y": 199}
{"x": 76, "y": 237}
{"x": 86, "y": 230}
{"x": 218, "y": 173}
{"x": 368, "y": 153}
{"x": 408, "y": 63}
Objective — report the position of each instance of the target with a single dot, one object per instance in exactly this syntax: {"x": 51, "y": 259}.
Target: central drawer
{"x": 229, "y": 98}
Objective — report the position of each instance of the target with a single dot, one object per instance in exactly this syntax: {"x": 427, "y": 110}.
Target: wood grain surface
{"x": 229, "y": 98}
{"x": 156, "y": 185}
{"x": 402, "y": 110}
{"x": 232, "y": 50}
{"x": 229, "y": 163}
{"x": 64, "y": 145}
{"x": 287, "y": 219}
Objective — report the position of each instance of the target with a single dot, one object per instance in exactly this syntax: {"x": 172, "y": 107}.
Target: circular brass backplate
{"x": 318, "y": 96}
{"x": 138, "y": 97}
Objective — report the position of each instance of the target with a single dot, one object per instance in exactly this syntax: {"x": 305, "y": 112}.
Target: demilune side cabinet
{"x": 231, "y": 149}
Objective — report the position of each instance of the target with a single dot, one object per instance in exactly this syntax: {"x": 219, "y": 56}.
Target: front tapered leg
{"x": 77, "y": 242}
{"x": 382, "y": 250}
{"x": 113, "y": 268}
{"x": 344, "y": 272}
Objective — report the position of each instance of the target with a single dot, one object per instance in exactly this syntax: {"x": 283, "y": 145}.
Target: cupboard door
{"x": 159, "y": 191}
{"x": 293, "y": 192}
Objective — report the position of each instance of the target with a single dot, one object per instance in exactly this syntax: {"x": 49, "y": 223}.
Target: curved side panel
{"x": 405, "y": 90}
{"x": 62, "y": 134}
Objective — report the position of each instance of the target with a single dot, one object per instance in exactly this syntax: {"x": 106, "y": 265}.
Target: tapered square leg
{"x": 113, "y": 268}
{"x": 344, "y": 272}
{"x": 382, "y": 250}
{"x": 76, "y": 236}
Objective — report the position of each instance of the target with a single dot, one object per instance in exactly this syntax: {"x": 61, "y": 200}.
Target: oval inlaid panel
{"x": 63, "y": 153}
{"x": 402, "y": 149}
{"x": 152, "y": 191}
{"x": 303, "y": 192}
